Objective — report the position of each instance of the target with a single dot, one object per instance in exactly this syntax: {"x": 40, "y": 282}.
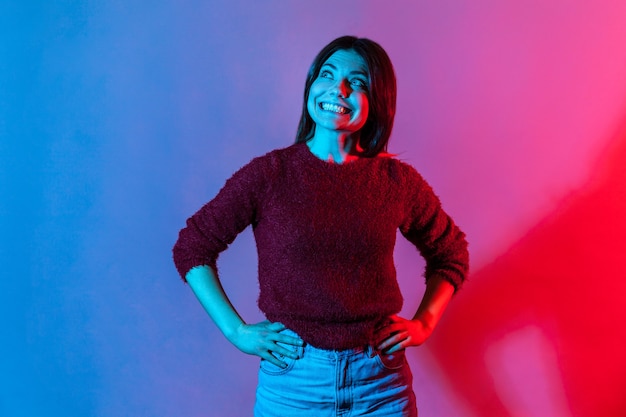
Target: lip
{"x": 347, "y": 109}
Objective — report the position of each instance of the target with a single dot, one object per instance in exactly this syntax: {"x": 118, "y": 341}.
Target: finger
{"x": 386, "y": 343}
{"x": 395, "y": 348}
{"x": 276, "y": 326}
{"x": 394, "y": 344}
{"x": 273, "y": 359}
{"x": 381, "y": 338}
{"x": 393, "y": 340}
{"x": 288, "y": 340}
{"x": 392, "y": 327}
{"x": 388, "y": 332}
{"x": 281, "y": 346}
{"x": 290, "y": 353}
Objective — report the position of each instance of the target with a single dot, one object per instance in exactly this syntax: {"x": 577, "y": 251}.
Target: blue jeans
{"x": 325, "y": 383}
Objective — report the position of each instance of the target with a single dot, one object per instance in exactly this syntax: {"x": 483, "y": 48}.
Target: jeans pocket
{"x": 391, "y": 361}
{"x": 271, "y": 369}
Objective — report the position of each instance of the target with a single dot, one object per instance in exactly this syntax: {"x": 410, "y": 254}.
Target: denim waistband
{"x": 309, "y": 350}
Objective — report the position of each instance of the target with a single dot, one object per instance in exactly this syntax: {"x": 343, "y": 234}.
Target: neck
{"x": 337, "y": 148}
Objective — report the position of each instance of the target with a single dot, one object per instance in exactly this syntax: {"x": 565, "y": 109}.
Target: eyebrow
{"x": 357, "y": 72}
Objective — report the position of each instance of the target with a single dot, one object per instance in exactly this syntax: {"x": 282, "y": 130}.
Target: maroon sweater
{"x": 325, "y": 235}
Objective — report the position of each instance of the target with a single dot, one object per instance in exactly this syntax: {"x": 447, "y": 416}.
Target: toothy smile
{"x": 335, "y": 108}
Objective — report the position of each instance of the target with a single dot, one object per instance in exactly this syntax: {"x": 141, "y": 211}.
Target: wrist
{"x": 232, "y": 330}
{"x": 426, "y": 319}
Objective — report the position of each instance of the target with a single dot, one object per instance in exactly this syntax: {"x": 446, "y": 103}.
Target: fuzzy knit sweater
{"x": 325, "y": 235}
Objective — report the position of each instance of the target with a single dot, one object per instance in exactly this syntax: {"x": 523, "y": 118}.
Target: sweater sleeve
{"x": 434, "y": 233}
{"x": 216, "y": 225}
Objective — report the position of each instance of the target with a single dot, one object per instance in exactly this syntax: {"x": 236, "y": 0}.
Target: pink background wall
{"x": 119, "y": 119}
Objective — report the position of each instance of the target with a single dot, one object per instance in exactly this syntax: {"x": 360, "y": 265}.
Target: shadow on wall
{"x": 540, "y": 331}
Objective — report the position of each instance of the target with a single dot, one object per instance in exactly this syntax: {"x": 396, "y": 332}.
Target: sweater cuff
{"x": 185, "y": 265}
{"x": 455, "y": 280}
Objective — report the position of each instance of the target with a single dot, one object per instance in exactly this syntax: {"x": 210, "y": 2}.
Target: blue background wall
{"x": 118, "y": 119}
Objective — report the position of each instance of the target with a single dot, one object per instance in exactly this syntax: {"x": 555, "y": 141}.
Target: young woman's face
{"x": 338, "y": 98}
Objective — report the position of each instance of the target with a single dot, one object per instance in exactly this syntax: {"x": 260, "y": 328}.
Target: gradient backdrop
{"x": 119, "y": 119}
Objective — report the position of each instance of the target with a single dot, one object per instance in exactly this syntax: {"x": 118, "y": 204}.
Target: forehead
{"x": 347, "y": 60}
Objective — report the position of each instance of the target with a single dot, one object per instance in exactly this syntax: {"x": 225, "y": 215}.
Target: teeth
{"x": 334, "y": 108}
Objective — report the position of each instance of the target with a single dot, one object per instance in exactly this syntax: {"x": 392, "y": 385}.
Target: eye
{"x": 359, "y": 83}
{"x": 325, "y": 74}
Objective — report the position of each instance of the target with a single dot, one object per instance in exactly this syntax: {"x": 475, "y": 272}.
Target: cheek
{"x": 310, "y": 106}
{"x": 310, "y": 102}
{"x": 365, "y": 107}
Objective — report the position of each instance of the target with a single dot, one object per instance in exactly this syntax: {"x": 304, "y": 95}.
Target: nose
{"x": 342, "y": 88}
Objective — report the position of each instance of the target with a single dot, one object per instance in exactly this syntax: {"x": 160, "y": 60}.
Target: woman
{"x": 325, "y": 212}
